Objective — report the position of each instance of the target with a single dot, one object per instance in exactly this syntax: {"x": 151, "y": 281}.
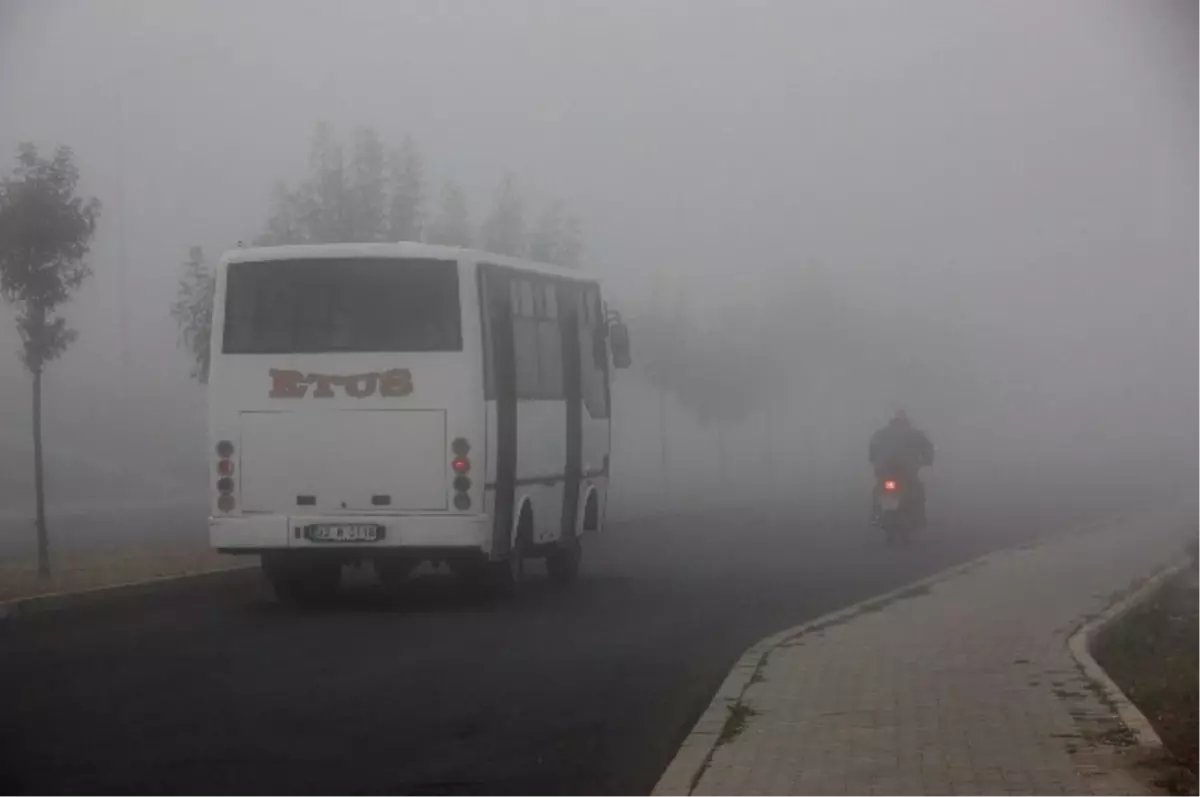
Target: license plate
{"x": 344, "y": 532}
{"x": 889, "y": 503}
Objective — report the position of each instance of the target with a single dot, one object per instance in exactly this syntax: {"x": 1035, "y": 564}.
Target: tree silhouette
{"x": 407, "y": 195}
{"x": 504, "y": 228}
{"x": 452, "y": 227}
{"x": 193, "y": 309}
{"x": 46, "y": 231}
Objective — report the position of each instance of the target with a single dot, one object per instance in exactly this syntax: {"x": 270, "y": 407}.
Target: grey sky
{"x": 1029, "y": 165}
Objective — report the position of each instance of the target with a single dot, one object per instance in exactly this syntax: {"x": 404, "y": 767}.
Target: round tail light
{"x": 225, "y": 449}
{"x": 461, "y": 465}
{"x": 225, "y": 485}
{"x": 225, "y": 467}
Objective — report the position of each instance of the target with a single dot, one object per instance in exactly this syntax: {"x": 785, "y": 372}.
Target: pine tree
{"x": 546, "y": 241}
{"x": 284, "y": 224}
{"x": 571, "y": 248}
{"x": 452, "y": 227}
{"x": 407, "y": 194}
{"x": 504, "y": 229}
{"x": 193, "y": 309}
{"x": 324, "y": 210}
{"x": 367, "y": 200}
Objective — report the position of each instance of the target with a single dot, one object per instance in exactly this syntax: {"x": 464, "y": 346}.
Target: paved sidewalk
{"x": 960, "y": 685}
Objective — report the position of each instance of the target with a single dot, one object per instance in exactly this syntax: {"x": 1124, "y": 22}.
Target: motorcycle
{"x": 897, "y": 515}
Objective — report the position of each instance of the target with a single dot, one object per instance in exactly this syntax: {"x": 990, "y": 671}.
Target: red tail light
{"x": 225, "y": 486}
{"x": 461, "y": 466}
{"x": 889, "y": 485}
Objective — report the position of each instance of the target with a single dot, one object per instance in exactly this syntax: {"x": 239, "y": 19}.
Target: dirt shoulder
{"x": 73, "y": 574}
{"x": 1152, "y": 655}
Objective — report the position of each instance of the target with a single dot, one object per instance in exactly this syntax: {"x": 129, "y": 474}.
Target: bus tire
{"x": 297, "y": 582}
{"x": 503, "y": 578}
{"x": 393, "y": 571}
{"x": 562, "y": 565}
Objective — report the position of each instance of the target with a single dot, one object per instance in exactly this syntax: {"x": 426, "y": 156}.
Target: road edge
{"x": 63, "y": 600}
{"x": 1080, "y": 644}
{"x": 693, "y": 756}
{"x": 16, "y": 607}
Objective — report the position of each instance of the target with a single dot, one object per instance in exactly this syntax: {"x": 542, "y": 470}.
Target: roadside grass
{"x": 82, "y": 572}
{"x": 1152, "y": 655}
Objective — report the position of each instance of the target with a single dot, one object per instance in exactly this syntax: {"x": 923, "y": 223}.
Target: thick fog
{"x": 1012, "y": 186}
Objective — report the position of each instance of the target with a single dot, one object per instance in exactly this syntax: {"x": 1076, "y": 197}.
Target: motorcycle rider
{"x": 900, "y": 450}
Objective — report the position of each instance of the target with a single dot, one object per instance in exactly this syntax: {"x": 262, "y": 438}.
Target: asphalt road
{"x": 215, "y": 688}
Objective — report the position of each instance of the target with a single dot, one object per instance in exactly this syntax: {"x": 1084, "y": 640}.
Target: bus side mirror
{"x": 618, "y": 341}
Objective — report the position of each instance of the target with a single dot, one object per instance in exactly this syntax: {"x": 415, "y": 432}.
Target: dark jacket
{"x": 901, "y": 445}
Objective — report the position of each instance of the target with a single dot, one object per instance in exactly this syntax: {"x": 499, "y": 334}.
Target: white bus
{"x": 400, "y": 403}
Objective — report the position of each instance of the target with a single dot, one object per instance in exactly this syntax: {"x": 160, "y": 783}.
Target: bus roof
{"x": 399, "y": 249}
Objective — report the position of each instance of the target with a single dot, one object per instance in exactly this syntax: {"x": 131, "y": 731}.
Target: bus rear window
{"x": 342, "y": 304}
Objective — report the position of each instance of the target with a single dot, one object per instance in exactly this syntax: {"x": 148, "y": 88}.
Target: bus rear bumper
{"x": 258, "y": 533}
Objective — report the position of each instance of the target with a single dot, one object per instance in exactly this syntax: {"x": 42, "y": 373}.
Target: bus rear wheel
{"x": 301, "y": 581}
{"x": 496, "y": 579}
{"x": 562, "y": 565}
{"x": 393, "y": 572}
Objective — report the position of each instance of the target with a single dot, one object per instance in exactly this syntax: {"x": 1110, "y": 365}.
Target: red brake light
{"x": 460, "y": 465}
{"x": 889, "y": 485}
{"x": 225, "y": 467}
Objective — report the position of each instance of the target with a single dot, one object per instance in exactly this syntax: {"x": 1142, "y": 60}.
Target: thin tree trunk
{"x": 43, "y": 537}
{"x": 769, "y": 449}
{"x": 662, "y": 441}
{"x": 722, "y": 462}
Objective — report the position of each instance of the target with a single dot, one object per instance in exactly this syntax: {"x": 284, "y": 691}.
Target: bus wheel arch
{"x": 522, "y": 530}
{"x": 589, "y": 518}
{"x": 564, "y": 556}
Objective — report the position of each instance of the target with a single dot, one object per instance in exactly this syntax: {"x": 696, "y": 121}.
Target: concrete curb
{"x": 1080, "y": 645}
{"x": 693, "y": 756}
{"x": 64, "y": 600}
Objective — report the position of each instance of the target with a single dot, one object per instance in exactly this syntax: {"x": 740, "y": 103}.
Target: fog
{"x": 1014, "y": 184}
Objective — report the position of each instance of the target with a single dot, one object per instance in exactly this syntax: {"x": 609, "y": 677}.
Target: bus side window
{"x": 500, "y": 298}
{"x": 549, "y": 343}
{"x": 593, "y": 355}
{"x": 525, "y": 342}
